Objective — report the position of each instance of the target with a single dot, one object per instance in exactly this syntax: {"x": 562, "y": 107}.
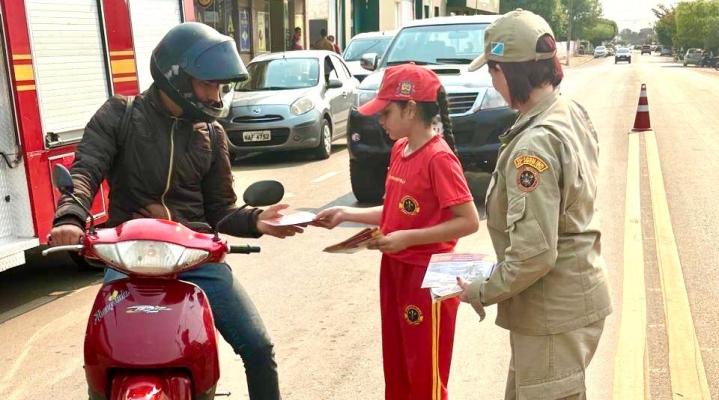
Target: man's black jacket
{"x": 159, "y": 162}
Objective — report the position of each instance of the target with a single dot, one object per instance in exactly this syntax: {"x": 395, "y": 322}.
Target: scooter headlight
{"x": 146, "y": 257}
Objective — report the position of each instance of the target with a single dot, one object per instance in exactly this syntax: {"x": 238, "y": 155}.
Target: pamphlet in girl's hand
{"x": 444, "y": 268}
{"x": 355, "y": 243}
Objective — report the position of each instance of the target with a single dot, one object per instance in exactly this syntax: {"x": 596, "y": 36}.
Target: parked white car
{"x": 600, "y": 51}
{"x": 363, "y": 43}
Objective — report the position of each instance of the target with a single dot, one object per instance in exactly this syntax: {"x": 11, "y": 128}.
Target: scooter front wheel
{"x": 151, "y": 387}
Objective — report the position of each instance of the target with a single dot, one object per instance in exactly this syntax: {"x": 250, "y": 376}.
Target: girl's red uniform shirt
{"x": 419, "y": 191}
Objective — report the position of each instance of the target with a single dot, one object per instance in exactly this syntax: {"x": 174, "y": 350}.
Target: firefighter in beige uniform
{"x": 549, "y": 284}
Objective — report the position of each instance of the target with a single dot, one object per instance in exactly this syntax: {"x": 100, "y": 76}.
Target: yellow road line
{"x": 629, "y": 365}
{"x": 686, "y": 368}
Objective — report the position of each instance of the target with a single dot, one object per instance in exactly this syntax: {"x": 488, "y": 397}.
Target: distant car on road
{"x": 293, "y": 100}
{"x": 646, "y": 49}
{"x": 364, "y": 43}
{"x": 666, "y": 51}
{"x": 600, "y": 51}
{"x": 623, "y": 54}
{"x": 693, "y": 56}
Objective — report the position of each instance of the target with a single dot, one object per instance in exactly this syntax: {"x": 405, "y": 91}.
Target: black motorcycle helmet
{"x": 195, "y": 50}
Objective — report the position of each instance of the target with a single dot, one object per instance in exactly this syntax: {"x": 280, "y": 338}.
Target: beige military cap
{"x": 513, "y": 38}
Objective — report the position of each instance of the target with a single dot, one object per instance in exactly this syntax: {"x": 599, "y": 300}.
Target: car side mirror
{"x": 263, "y": 193}
{"x": 62, "y": 179}
{"x": 369, "y": 61}
{"x": 334, "y": 84}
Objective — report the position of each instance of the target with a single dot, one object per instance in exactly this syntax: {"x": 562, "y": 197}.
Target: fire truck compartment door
{"x": 17, "y": 232}
{"x": 151, "y": 19}
{"x": 71, "y": 74}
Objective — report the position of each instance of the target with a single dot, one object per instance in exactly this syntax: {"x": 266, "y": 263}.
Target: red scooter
{"x": 151, "y": 336}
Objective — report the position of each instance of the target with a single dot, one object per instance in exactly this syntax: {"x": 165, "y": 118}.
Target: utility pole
{"x": 569, "y": 30}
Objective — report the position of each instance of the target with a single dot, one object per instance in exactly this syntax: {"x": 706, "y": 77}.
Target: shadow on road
{"x": 40, "y": 281}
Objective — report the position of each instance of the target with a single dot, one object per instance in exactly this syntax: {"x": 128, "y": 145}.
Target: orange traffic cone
{"x": 641, "y": 122}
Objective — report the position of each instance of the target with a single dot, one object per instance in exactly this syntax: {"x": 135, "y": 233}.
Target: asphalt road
{"x": 322, "y": 310}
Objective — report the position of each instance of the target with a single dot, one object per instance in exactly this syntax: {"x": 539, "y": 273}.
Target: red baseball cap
{"x": 401, "y": 83}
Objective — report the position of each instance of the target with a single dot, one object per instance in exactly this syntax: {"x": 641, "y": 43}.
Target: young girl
{"x": 427, "y": 207}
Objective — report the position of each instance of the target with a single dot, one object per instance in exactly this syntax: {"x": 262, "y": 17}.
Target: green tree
{"x": 697, "y": 24}
{"x": 603, "y": 30}
{"x": 585, "y": 14}
{"x": 550, "y": 10}
{"x": 665, "y": 27}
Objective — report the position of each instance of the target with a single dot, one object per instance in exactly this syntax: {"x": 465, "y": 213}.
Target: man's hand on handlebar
{"x": 65, "y": 235}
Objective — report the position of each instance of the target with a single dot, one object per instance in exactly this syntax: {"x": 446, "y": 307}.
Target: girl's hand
{"x": 330, "y": 217}
{"x": 391, "y": 243}
{"x": 276, "y": 231}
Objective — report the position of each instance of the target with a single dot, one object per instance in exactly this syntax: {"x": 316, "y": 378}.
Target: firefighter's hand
{"x": 65, "y": 235}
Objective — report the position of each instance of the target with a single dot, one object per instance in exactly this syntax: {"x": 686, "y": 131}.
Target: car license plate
{"x": 256, "y": 136}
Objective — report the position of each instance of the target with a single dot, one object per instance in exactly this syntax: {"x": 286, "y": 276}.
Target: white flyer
{"x": 443, "y": 270}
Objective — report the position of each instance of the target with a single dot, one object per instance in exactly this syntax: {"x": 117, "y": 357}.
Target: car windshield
{"x": 600, "y": 48}
{"x": 357, "y": 47}
{"x": 623, "y": 51}
{"x": 437, "y": 44}
{"x": 281, "y": 74}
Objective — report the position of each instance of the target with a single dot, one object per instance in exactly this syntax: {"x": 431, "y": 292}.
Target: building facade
{"x": 262, "y": 26}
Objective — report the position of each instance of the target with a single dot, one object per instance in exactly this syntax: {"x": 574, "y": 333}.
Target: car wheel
{"x": 685, "y": 64}
{"x": 323, "y": 151}
{"x": 615, "y": 61}
{"x": 367, "y": 182}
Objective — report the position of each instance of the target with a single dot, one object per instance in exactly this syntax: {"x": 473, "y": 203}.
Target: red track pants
{"x": 417, "y": 335}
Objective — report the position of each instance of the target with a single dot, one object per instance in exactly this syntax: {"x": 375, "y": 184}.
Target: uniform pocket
{"x": 553, "y": 390}
{"x": 525, "y": 234}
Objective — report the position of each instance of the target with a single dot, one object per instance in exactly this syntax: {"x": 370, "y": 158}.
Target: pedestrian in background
{"x": 323, "y": 43}
{"x": 297, "y": 39}
{"x": 427, "y": 207}
{"x": 549, "y": 283}
{"x": 335, "y": 47}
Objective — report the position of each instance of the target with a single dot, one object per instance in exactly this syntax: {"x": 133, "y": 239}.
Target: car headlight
{"x": 146, "y": 257}
{"x": 492, "y": 99}
{"x": 363, "y": 96}
{"x": 301, "y": 106}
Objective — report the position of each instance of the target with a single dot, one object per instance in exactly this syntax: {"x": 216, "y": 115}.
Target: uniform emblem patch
{"x": 527, "y": 179}
{"x": 413, "y": 315}
{"x": 409, "y": 205}
{"x": 406, "y": 88}
{"x": 531, "y": 161}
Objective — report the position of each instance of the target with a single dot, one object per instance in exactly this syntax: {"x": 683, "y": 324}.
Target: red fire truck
{"x": 60, "y": 60}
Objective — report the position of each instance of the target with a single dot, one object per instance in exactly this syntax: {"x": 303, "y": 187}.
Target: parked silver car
{"x": 293, "y": 100}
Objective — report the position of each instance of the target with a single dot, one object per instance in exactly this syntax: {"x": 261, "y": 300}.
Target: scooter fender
{"x": 151, "y": 324}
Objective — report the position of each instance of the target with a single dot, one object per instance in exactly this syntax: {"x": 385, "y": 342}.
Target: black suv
{"x": 478, "y": 112}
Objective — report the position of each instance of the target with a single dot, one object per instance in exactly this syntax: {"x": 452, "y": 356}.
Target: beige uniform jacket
{"x": 324, "y": 44}
{"x": 541, "y": 219}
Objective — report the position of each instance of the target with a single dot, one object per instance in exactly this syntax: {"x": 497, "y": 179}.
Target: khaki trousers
{"x": 551, "y": 367}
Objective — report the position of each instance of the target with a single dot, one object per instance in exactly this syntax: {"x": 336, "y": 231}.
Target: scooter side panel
{"x": 151, "y": 324}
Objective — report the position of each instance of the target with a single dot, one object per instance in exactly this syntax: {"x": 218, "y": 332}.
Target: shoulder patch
{"x": 531, "y": 161}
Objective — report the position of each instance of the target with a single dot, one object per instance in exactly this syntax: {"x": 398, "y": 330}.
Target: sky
{"x": 632, "y": 14}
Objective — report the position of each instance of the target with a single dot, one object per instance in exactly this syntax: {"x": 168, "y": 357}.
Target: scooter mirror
{"x": 62, "y": 179}
{"x": 263, "y": 193}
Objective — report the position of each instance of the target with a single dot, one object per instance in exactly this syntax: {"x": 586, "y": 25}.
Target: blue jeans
{"x": 239, "y": 323}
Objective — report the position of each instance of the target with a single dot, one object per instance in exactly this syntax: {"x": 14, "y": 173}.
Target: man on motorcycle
{"x": 165, "y": 156}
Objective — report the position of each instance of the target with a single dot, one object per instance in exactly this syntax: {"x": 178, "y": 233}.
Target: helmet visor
{"x": 219, "y": 63}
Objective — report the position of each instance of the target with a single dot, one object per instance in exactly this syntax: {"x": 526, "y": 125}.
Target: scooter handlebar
{"x": 247, "y": 249}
